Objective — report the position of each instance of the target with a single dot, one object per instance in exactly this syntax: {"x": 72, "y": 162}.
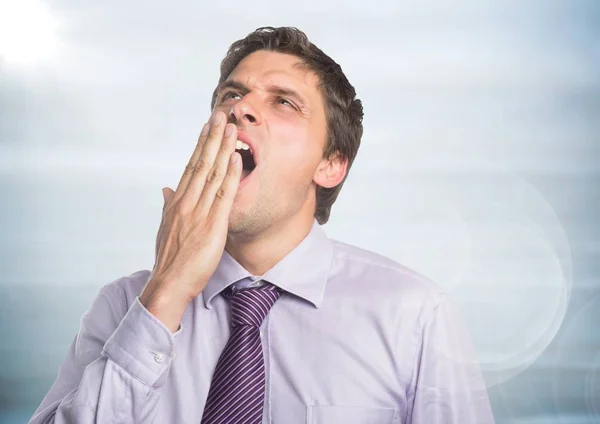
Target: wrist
{"x": 166, "y": 305}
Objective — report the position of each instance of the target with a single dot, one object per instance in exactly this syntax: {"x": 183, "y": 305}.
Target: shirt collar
{"x": 303, "y": 271}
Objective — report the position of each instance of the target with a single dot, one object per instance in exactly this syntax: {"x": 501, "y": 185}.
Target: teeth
{"x": 242, "y": 145}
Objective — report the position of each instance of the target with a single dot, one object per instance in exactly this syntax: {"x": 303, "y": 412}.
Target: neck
{"x": 260, "y": 253}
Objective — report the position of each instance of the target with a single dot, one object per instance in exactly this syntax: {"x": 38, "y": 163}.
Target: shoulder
{"x": 377, "y": 276}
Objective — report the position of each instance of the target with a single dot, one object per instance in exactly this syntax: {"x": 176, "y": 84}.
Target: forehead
{"x": 266, "y": 67}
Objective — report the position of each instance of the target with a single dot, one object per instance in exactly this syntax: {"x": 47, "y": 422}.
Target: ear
{"x": 331, "y": 171}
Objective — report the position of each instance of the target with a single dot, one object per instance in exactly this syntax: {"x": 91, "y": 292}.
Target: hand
{"x": 193, "y": 231}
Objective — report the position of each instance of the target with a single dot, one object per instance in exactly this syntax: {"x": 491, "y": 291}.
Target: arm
{"x": 447, "y": 386}
{"x": 110, "y": 374}
{"x": 117, "y": 365}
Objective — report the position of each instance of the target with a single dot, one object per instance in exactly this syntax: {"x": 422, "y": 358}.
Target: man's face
{"x": 279, "y": 109}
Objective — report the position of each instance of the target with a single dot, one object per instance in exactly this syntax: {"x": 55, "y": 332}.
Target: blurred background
{"x": 479, "y": 167}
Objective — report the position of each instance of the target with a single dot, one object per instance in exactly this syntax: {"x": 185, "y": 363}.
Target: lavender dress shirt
{"x": 356, "y": 338}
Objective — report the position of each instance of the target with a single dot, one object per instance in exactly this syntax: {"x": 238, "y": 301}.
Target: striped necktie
{"x": 237, "y": 390}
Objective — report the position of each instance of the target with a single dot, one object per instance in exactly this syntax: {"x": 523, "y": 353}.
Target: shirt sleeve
{"x": 115, "y": 368}
{"x": 447, "y": 385}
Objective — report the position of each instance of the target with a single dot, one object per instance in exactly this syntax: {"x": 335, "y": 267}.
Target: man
{"x": 251, "y": 314}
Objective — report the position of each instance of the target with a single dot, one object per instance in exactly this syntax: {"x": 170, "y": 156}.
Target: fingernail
{"x": 234, "y": 157}
{"x": 217, "y": 118}
{"x": 205, "y": 129}
{"x": 228, "y": 130}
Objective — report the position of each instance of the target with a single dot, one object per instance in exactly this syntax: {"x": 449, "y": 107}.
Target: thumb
{"x": 167, "y": 194}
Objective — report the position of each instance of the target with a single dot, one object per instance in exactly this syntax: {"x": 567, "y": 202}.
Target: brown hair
{"x": 344, "y": 112}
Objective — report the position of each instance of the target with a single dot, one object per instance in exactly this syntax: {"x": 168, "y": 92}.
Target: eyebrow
{"x": 272, "y": 88}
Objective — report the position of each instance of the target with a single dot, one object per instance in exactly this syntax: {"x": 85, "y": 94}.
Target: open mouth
{"x": 247, "y": 158}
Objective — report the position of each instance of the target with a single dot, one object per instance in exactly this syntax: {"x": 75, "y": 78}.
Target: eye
{"x": 228, "y": 95}
{"x": 282, "y": 101}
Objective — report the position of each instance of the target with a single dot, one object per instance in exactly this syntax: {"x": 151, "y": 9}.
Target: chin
{"x": 237, "y": 220}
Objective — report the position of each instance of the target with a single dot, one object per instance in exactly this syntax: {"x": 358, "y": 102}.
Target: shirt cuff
{"x": 142, "y": 345}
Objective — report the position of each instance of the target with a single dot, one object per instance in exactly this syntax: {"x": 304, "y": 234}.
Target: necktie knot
{"x": 250, "y": 306}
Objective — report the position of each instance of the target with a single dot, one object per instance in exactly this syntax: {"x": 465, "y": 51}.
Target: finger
{"x": 188, "y": 171}
{"x": 221, "y": 207}
{"x": 158, "y": 239}
{"x": 167, "y": 195}
{"x": 205, "y": 162}
{"x": 218, "y": 172}
{"x": 157, "y": 244}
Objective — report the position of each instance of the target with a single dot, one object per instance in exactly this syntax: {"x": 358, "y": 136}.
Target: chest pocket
{"x": 331, "y": 414}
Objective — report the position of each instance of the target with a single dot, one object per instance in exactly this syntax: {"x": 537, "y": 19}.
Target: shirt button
{"x": 159, "y": 357}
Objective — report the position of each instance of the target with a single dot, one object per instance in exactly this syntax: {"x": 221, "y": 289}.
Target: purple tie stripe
{"x": 237, "y": 390}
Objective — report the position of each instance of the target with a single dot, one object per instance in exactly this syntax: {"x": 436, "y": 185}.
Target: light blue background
{"x": 479, "y": 167}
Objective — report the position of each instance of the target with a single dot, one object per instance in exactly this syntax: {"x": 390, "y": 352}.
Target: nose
{"x": 243, "y": 112}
